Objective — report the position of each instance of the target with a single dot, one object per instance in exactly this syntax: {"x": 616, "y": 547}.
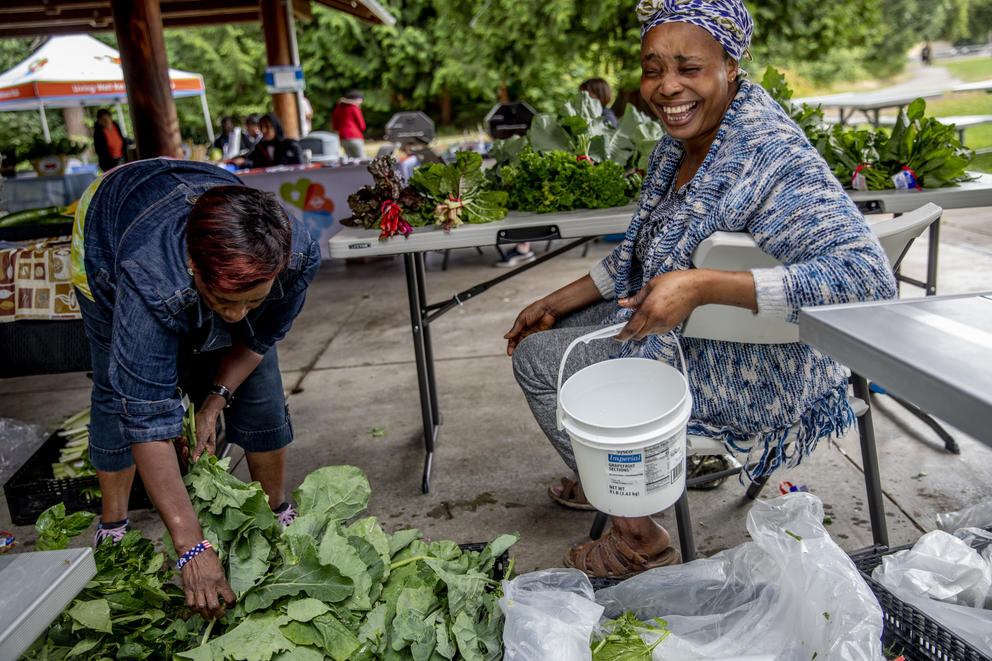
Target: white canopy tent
{"x": 78, "y": 70}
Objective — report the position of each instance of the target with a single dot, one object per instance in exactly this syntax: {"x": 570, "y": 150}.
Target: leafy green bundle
{"x": 579, "y": 129}
{"x": 557, "y": 181}
{"x": 367, "y": 202}
{"x": 930, "y": 149}
{"x": 319, "y": 588}
{"x": 622, "y": 639}
{"x": 130, "y": 610}
{"x": 457, "y": 193}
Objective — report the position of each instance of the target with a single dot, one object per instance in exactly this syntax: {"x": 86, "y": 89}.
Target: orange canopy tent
{"x": 78, "y": 70}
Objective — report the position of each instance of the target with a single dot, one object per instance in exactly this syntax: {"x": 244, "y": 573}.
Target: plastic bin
{"x": 920, "y": 636}
{"x": 33, "y": 488}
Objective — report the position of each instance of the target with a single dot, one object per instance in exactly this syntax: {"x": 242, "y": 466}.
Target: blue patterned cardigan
{"x": 761, "y": 176}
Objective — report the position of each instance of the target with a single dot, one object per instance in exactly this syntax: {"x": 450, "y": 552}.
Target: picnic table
{"x": 869, "y": 103}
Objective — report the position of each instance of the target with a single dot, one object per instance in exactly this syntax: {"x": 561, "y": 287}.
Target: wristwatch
{"x": 218, "y": 389}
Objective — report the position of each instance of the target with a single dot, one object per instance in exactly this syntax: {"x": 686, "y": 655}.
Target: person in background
{"x": 273, "y": 149}
{"x": 229, "y": 141}
{"x": 599, "y": 90}
{"x": 109, "y": 142}
{"x": 307, "y": 117}
{"x": 349, "y": 123}
{"x": 253, "y": 132}
{"x": 186, "y": 278}
{"x": 731, "y": 160}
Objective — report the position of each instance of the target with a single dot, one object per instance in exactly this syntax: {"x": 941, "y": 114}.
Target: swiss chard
{"x": 458, "y": 192}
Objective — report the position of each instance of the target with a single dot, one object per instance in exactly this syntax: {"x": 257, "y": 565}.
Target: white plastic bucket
{"x": 627, "y": 420}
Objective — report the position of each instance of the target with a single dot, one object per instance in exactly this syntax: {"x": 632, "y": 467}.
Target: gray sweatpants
{"x": 537, "y": 359}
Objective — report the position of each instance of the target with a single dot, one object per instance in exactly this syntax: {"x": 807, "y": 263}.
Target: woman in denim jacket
{"x": 179, "y": 268}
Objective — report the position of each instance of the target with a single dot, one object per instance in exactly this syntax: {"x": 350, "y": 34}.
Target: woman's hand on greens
{"x": 537, "y": 316}
{"x": 661, "y": 305}
{"x": 206, "y": 425}
{"x": 204, "y": 582}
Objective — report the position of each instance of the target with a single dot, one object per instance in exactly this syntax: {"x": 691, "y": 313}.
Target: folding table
{"x": 579, "y": 226}
{"x": 934, "y": 352}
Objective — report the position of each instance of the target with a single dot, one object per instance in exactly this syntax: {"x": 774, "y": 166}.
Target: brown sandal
{"x": 611, "y": 557}
{"x": 568, "y": 495}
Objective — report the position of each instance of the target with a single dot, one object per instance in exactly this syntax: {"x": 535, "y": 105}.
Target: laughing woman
{"x": 733, "y": 161}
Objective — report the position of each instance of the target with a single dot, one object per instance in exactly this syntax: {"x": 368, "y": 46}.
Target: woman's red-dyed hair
{"x": 238, "y": 238}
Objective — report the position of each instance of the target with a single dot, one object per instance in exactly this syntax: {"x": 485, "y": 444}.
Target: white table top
{"x": 935, "y": 352}
{"x": 360, "y": 242}
{"x": 976, "y": 193}
{"x": 981, "y": 85}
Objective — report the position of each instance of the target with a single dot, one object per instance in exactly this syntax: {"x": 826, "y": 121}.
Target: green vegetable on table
{"x": 929, "y": 149}
{"x": 457, "y": 193}
{"x": 558, "y": 181}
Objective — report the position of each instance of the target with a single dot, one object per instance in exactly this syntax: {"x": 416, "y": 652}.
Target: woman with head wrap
{"x": 732, "y": 160}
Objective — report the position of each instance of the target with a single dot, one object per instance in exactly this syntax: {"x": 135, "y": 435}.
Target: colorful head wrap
{"x": 727, "y": 20}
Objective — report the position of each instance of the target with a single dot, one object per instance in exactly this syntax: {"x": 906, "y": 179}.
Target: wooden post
{"x": 138, "y": 24}
{"x": 275, "y": 27}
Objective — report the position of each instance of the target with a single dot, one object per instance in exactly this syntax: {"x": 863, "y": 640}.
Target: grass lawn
{"x": 979, "y": 68}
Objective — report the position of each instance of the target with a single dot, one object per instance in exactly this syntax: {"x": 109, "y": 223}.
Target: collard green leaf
{"x": 401, "y": 539}
{"x": 304, "y": 610}
{"x": 338, "y": 641}
{"x": 301, "y": 653}
{"x": 336, "y": 552}
{"x": 309, "y": 576}
{"x": 546, "y": 134}
{"x": 247, "y": 572}
{"x": 257, "y": 638}
{"x": 338, "y": 492}
{"x": 369, "y": 529}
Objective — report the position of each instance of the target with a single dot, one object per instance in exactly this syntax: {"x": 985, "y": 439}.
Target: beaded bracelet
{"x": 192, "y": 553}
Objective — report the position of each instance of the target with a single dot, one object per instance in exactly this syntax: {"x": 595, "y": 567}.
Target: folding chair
{"x": 736, "y": 251}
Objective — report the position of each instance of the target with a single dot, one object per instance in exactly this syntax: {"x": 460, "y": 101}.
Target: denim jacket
{"x": 135, "y": 259}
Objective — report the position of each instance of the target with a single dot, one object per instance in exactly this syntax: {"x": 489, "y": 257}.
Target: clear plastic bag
{"x": 949, "y": 579}
{"x": 18, "y": 441}
{"x": 790, "y": 594}
{"x": 976, "y": 516}
{"x": 550, "y": 615}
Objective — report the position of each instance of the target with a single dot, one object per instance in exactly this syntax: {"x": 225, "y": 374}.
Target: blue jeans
{"x": 257, "y": 420}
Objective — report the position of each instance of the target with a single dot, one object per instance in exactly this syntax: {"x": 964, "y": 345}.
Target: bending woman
{"x": 184, "y": 275}
{"x": 732, "y": 160}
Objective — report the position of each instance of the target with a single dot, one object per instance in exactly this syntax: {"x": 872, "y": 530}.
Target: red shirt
{"x": 115, "y": 143}
{"x": 348, "y": 122}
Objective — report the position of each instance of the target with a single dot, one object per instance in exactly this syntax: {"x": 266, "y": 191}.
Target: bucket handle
{"x": 599, "y": 334}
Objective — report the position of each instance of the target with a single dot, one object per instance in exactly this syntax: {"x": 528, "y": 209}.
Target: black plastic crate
{"x": 33, "y": 488}
{"x": 920, "y": 637}
{"x": 500, "y": 567}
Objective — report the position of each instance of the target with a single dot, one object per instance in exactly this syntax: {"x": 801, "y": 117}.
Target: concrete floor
{"x": 348, "y": 365}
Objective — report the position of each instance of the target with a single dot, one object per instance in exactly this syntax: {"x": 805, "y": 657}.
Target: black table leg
{"x": 414, "y": 266}
{"x": 683, "y": 521}
{"x": 869, "y": 460}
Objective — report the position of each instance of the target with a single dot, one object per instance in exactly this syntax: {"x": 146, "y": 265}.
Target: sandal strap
{"x": 608, "y": 556}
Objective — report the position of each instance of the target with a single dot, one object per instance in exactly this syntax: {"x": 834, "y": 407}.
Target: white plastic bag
{"x": 944, "y": 577}
{"x": 939, "y": 566}
{"x": 976, "y": 516}
{"x": 550, "y": 616}
{"x": 790, "y": 594}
